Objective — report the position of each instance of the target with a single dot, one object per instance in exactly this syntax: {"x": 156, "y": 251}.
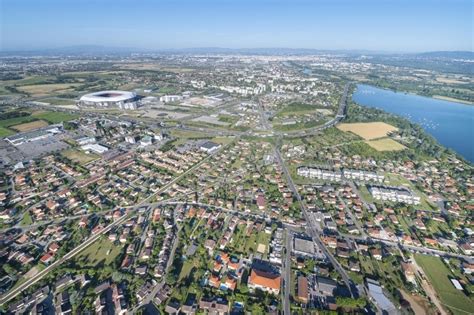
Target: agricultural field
{"x": 33, "y": 121}
{"x": 439, "y": 276}
{"x": 7, "y": 123}
{"x": 79, "y": 156}
{"x": 46, "y": 89}
{"x": 368, "y": 131}
{"x": 386, "y": 144}
{"x": 30, "y": 126}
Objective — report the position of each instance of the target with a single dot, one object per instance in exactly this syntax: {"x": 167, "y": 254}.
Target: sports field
{"x": 30, "y": 125}
{"x": 439, "y": 277}
{"x": 368, "y": 131}
{"x": 386, "y": 144}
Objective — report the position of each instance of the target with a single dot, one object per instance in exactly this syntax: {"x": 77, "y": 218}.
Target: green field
{"x": 294, "y": 108}
{"x": 97, "y": 253}
{"x": 54, "y": 117}
{"x": 58, "y": 101}
{"x": 26, "y": 220}
{"x": 79, "y": 156}
{"x": 300, "y": 125}
{"x": 15, "y": 121}
{"x": 5, "y": 132}
{"x": 439, "y": 276}
{"x": 50, "y": 117}
{"x": 186, "y": 269}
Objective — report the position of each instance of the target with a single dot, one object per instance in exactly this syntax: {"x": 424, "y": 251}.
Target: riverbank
{"x": 452, "y": 99}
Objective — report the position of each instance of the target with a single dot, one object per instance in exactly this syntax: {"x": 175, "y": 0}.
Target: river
{"x": 452, "y": 124}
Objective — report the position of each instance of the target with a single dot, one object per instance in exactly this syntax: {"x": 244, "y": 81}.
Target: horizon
{"x": 374, "y": 26}
{"x": 125, "y": 49}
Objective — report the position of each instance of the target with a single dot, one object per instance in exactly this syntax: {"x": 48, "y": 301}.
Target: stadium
{"x": 105, "y": 99}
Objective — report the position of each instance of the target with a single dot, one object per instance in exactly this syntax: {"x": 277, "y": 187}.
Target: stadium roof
{"x": 108, "y": 96}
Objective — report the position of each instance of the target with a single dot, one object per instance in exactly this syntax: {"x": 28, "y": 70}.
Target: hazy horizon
{"x": 367, "y": 25}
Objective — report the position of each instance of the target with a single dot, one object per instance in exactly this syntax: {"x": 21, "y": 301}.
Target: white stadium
{"x": 104, "y": 99}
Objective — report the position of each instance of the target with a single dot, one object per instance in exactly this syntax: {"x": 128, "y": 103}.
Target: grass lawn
{"x": 299, "y": 125}
{"x": 264, "y": 239}
{"x": 228, "y": 119}
{"x": 58, "y": 101}
{"x": 439, "y": 276}
{"x": 222, "y": 140}
{"x": 365, "y": 194}
{"x": 79, "y": 156}
{"x": 167, "y": 90}
{"x": 189, "y": 134}
{"x": 26, "y": 220}
{"x": 97, "y": 253}
{"x": 4, "y": 132}
{"x": 366, "y": 265}
{"x": 15, "y": 121}
{"x": 297, "y": 108}
{"x": 54, "y": 117}
{"x": 251, "y": 243}
{"x": 186, "y": 269}
{"x": 386, "y": 144}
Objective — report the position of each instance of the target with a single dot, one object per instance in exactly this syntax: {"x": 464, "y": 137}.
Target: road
{"x": 266, "y": 125}
{"x": 286, "y": 271}
{"x": 313, "y": 231}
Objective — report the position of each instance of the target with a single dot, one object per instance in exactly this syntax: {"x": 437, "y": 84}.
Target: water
{"x": 452, "y": 124}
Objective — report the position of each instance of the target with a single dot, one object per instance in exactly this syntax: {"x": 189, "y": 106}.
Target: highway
{"x": 263, "y": 118}
{"x": 341, "y": 114}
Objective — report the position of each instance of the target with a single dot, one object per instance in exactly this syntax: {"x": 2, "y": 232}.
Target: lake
{"x": 452, "y": 124}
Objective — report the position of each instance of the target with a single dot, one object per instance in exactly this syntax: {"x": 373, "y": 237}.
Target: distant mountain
{"x": 79, "y": 50}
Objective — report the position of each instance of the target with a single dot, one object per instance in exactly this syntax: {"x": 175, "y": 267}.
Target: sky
{"x": 380, "y": 25}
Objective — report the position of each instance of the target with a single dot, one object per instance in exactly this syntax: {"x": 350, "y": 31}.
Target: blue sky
{"x": 383, "y": 25}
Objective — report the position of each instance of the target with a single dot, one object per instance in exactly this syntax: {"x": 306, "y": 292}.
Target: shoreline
{"x": 434, "y": 97}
